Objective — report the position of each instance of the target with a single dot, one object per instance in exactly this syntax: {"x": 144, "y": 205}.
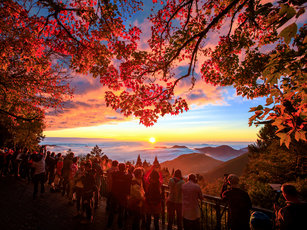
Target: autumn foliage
{"x": 260, "y": 50}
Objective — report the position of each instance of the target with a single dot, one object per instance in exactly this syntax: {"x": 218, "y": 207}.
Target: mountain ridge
{"x": 208, "y": 161}
{"x": 222, "y": 152}
{"x": 192, "y": 163}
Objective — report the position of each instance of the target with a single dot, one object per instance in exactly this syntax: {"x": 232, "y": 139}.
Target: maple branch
{"x": 189, "y": 15}
{"x": 19, "y": 117}
{"x": 174, "y": 14}
{"x": 46, "y": 23}
{"x": 67, "y": 32}
{"x": 204, "y": 32}
{"x": 234, "y": 14}
{"x": 201, "y": 35}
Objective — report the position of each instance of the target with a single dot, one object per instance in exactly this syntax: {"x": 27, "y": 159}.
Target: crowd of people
{"x": 135, "y": 192}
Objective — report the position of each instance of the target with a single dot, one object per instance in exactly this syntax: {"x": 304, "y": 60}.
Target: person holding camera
{"x": 293, "y": 215}
{"x": 239, "y": 203}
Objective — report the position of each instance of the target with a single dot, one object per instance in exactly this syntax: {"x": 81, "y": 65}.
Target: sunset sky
{"x": 216, "y": 114}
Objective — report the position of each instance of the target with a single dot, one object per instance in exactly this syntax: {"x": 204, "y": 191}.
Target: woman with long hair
{"x": 153, "y": 200}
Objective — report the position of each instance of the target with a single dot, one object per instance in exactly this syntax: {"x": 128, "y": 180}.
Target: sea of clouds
{"x": 128, "y": 151}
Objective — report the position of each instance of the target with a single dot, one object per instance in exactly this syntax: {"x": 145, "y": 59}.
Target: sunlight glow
{"x": 152, "y": 140}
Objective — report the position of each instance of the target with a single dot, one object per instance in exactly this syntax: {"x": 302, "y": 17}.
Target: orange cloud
{"x": 86, "y": 108}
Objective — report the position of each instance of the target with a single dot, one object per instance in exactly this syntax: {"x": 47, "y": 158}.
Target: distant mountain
{"x": 179, "y": 147}
{"x": 192, "y": 163}
{"x": 223, "y": 152}
{"x": 236, "y": 166}
{"x": 160, "y": 147}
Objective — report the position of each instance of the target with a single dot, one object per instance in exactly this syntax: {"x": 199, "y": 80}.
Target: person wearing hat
{"x": 239, "y": 204}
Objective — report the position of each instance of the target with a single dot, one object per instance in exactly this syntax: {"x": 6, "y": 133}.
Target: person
{"x": 73, "y": 171}
{"x": 52, "y": 165}
{"x": 119, "y": 194}
{"x": 39, "y": 173}
{"x": 136, "y": 198}
{"x": 58, "y": 175}
{"x": 88, "y": 181}
{"x": 225, "y": 184}
{"x": 293, "y": 215}
{"x": 153, "y": 199}
{"x": 110, "y": 171}
{"x": 191, "y": 194}
{"x": 98, "y": 179}
{"x": 17, "y": 162}
{"x": 66, "y": 171}
{"x": 174, "y": 201}
{"x": 78, "y": 187}
{"x": 239, "y": 204}
{"x": 47, "y": 162}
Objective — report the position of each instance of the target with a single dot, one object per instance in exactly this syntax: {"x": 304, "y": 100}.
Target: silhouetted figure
{"x": 78, "y": 187}
{"x": 191, "y": 194}
{"x": 88, "y": 181}
{"x": 66, "y": 171}
{"x": 119, "y": 194}
{"x": 52, "y": 165}
{"x": 153, "y": 200}
{"x": 39, "y": 173}
{"x": 110, "y": 171}
{"x": 174, "y": 201}
{"x": 98, "y": 179}
{"x": 136, "y": 198}
{"x": 58, "y": 175}
{"x": 239, "y": 204}
{"x": 293, "y": 215}
{"x": 73, "y": 171}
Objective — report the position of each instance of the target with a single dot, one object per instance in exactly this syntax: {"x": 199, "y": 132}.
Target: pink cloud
{"x": 86, "y": 108}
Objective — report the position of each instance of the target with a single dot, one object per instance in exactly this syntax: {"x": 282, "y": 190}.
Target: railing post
{"x": 163, "y": 206}
{"x": 218, "y": 215}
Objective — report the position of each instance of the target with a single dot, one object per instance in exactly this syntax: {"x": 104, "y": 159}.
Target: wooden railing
{"x": 214, "y": 212}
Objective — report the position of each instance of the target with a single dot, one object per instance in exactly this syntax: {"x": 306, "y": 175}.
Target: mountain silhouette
{"x": 223, "y": 152}
{"x": 192, "y": 163}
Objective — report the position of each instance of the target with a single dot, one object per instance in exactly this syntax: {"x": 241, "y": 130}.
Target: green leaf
{"x": 291, "y": 12}
{"x": 286, "y": 9}
{"x": 289, "y": 32}
{"x": 259, "y": 107}
{"x": 283, "y": 9}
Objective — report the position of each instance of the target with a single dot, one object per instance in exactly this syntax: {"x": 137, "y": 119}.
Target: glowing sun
{"x": 152, "y": 140}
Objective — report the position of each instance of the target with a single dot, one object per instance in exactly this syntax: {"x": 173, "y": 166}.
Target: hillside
{"x": 223, "y": 152}
{"x": 236, "y": 166}
{"x": 192, "y": 163}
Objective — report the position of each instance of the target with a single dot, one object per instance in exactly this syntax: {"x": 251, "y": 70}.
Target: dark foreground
{"x": 19, "y": 211}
